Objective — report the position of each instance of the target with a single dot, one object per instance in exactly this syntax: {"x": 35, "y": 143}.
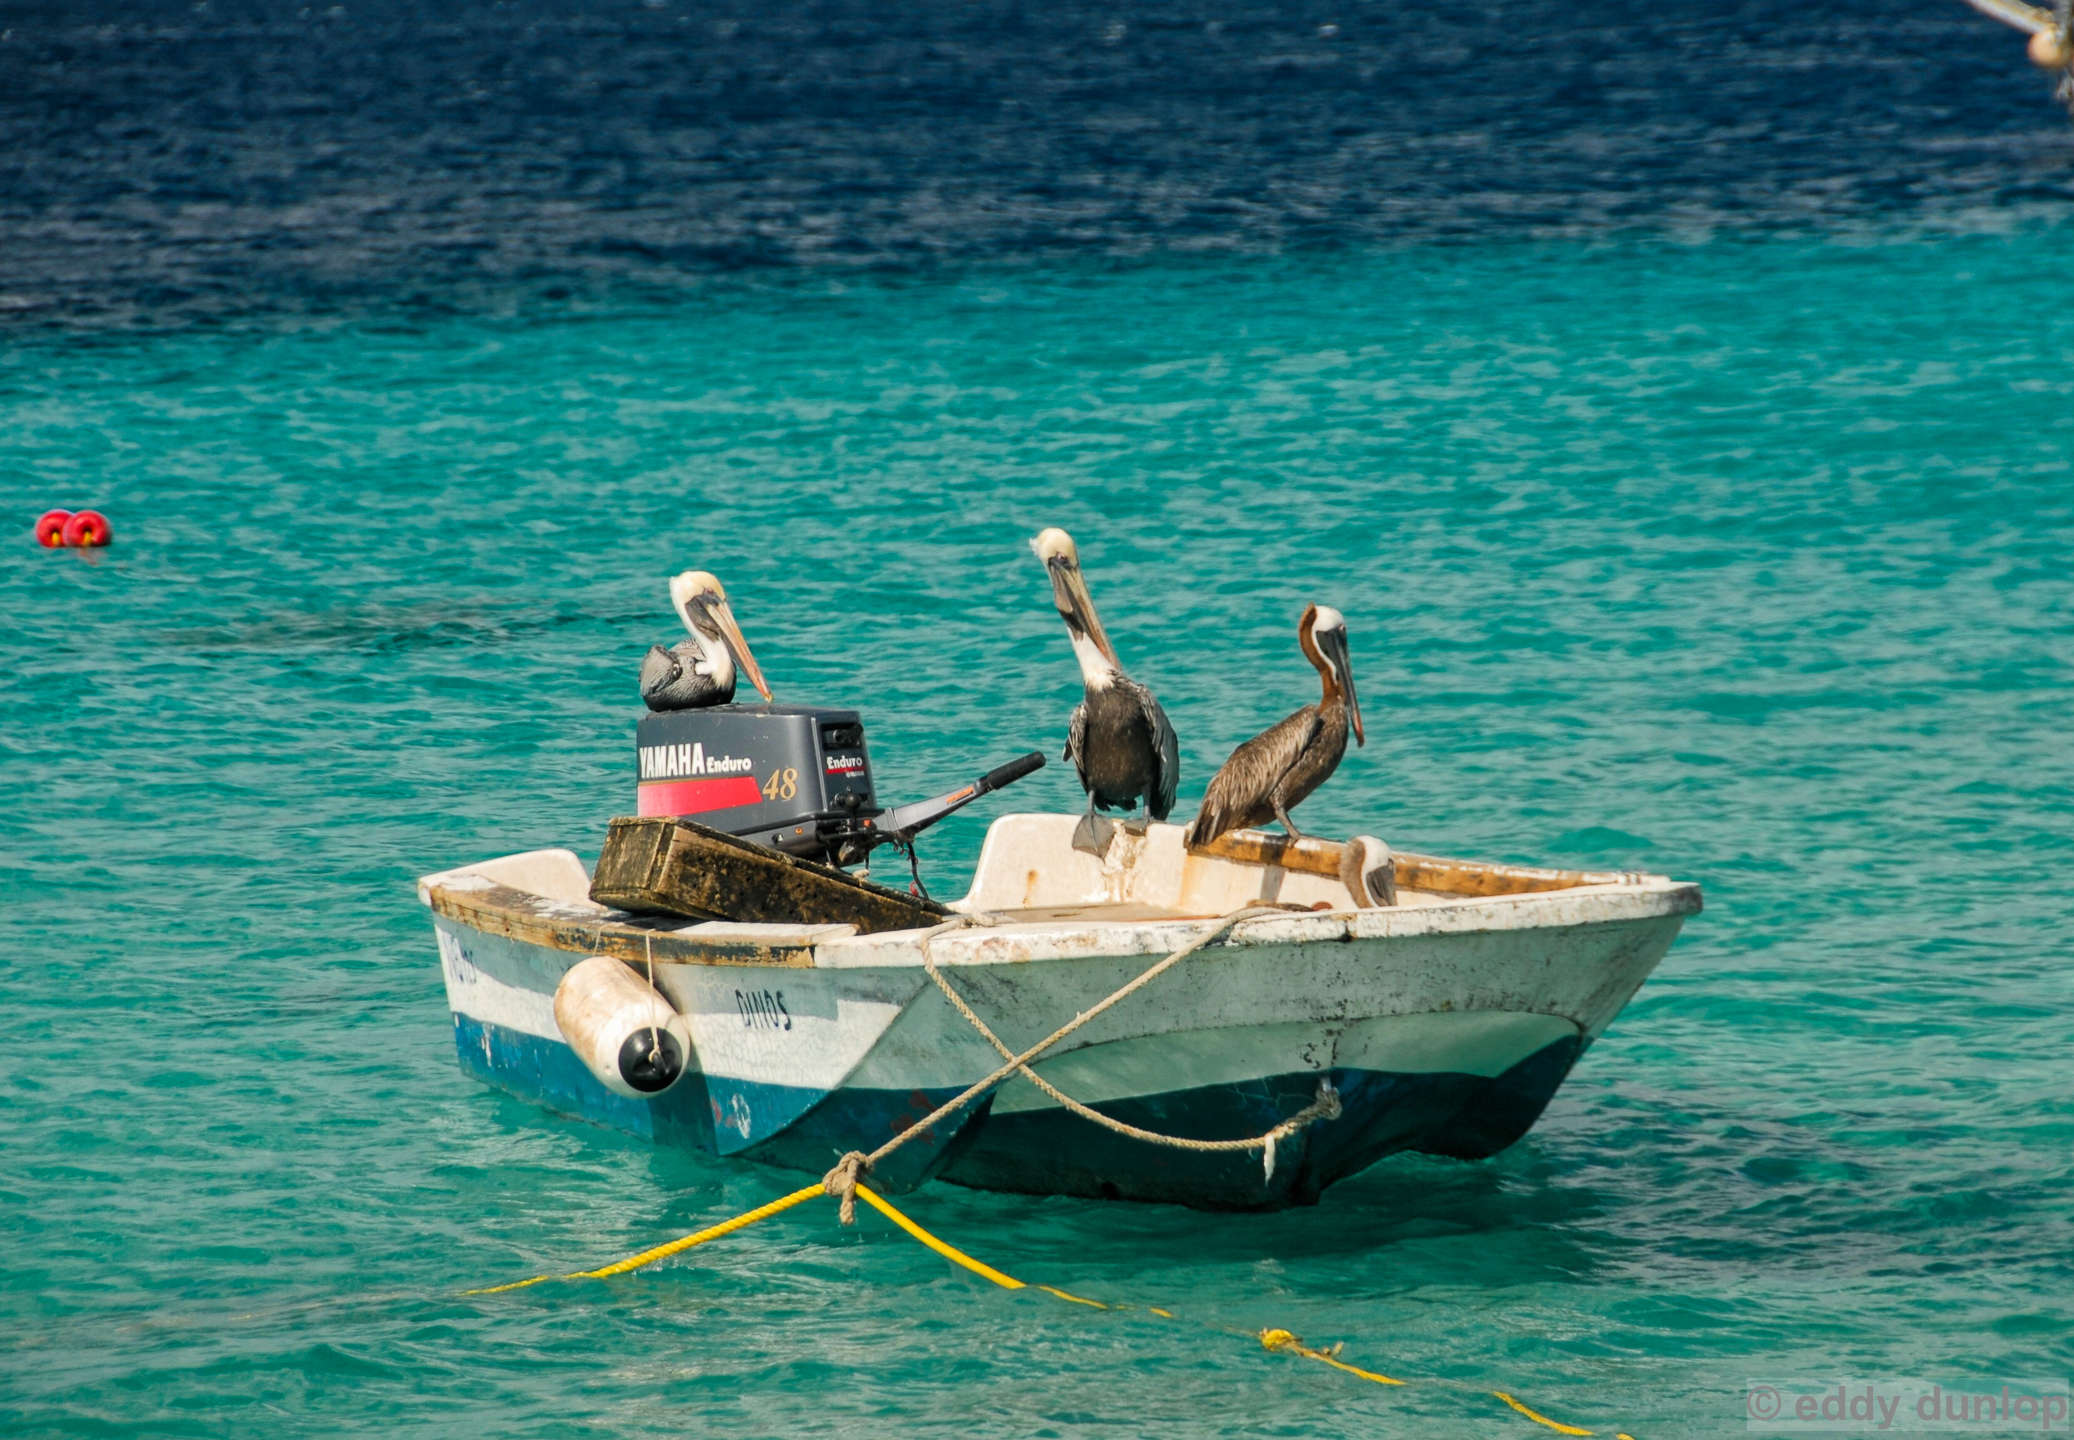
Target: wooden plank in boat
{"x": 1439, "y": 876}
{"x": 1430, "y": 873}
{"x": 681, "y": 867}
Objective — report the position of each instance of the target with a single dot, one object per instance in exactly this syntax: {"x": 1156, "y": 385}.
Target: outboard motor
{"x": 792, "y": 777}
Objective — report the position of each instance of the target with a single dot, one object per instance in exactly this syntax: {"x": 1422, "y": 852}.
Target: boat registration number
{"x": 763, "y": 1009}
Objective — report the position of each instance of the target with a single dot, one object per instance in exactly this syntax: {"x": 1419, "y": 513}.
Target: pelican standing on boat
{"x": 1270, "y": 774}
{"x": 700, "y": 671}
{"x": 1118, "y": 739}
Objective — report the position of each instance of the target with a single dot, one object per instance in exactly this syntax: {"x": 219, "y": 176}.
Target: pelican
{"x": 1271, "y": 774}
{"x": 1118, "y": 739}
{"x": 699, "y": 671}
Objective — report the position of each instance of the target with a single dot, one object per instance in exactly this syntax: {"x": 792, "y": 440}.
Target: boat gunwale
{"x": 584, "y": 928}
{"x": 527, "y": 916}
{"x": 1428, "y": 874}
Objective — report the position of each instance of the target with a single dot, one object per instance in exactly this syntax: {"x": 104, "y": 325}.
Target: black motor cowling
{"x": 788, "y": 776}
{"x": 792, "y": 777}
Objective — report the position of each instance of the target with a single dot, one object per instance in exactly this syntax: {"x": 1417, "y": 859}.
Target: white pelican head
{"x": 702, "y": 605}
{"x": 1061, "y": 557}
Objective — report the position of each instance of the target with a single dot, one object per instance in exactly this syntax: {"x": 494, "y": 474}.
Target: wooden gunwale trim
{"x": 1439, "y": 875}
{"x": 519, "y": 915}
{"x": 1433, "y": 874}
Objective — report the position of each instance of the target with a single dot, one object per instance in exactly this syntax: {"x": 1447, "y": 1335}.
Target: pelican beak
{"x": 1076, "y": 606}
{"x": 731, "y": 636}
{"x": 1345, "y": 662}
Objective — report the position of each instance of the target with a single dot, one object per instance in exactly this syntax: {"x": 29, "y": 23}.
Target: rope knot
{"x": 1327, "y": 1104}
{"x": 841, "y": 1182}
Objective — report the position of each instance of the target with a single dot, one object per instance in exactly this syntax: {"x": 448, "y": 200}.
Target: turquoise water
{"x": 1746, "y": 560}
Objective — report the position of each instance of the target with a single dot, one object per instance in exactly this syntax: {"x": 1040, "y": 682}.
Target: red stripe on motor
{"x": 696, "y": 797}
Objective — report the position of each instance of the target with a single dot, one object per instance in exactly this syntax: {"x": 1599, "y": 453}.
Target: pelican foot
{"x": 1093, "y": 834}
{"x": 1137, "y": 825}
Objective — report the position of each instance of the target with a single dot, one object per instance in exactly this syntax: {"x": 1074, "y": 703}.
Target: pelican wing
{"x": 1242, "y": 793}
{"x": 1076, "y": 741}
{"x": 2027, "y": 18}
{"x": 1166, "y": 775}
{"x": 660, "y": 670}
{"x": 676, "y": 679}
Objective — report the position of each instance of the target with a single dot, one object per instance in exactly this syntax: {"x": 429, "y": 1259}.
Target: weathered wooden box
{"x": 681, "y": 867}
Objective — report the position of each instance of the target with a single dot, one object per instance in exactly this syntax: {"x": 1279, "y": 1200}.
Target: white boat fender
{"x": 1368, "y": 871}
{"x": 622, "y": 1029}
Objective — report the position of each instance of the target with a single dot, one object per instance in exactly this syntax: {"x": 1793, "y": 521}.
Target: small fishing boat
{"x": 1438, "y": 1014}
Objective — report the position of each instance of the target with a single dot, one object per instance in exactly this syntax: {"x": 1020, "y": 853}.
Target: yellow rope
{"x": 1277, "y": 1340}
{"x": 956, "y": 1256}
{"x": 1283, "y": 1340}
{"x": 662, "y": 1252}
{"x": 948, "y": 1251}
{"x": 1539, "y": 1419}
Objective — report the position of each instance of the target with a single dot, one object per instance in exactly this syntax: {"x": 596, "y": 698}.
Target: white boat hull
{"x": 1445, "y": 1026}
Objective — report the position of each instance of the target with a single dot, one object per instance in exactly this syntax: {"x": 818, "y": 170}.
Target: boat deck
{"x": 1130, "y": 912}
{"x": 543, "y": 898}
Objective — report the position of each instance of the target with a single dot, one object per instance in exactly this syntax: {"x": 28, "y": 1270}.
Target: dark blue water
{"x": 171, "y": 162}
{"x": 1675, "y": 401}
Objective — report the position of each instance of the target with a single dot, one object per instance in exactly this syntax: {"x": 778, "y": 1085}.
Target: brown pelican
{"x": 1118, "y": 739}
{"x": 699, "y": 671}
{"x": 1271, "y": 773}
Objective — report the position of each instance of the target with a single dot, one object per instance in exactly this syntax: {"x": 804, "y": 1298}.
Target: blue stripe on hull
{"x": 1052, "y": 1152}
{"x": 686, "y": 1116}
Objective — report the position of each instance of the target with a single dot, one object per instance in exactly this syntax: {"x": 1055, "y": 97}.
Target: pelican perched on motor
{"x": 699, "y": 671}
{"x": 1118, "y": 739}
{"x": 1270, "y": 774}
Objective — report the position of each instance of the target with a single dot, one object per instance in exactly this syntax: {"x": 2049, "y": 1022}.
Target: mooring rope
{"x": 662, "y": 1252}
{"x": 1282, "y": 1341}
{"x": 1325, "y": 1107}
{"x": 842, "y": 1181}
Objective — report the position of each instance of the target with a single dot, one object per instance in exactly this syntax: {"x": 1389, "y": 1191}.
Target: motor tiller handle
{"x": 1013, "y": 771}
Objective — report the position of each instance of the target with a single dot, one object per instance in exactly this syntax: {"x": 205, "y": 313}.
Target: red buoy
{"x": 50, "y": 530}
{"x": 89, "y": 528}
